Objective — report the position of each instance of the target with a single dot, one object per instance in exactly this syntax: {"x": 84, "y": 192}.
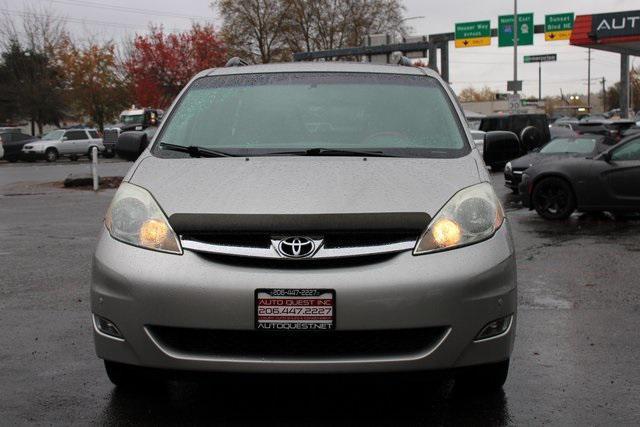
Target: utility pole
{"x": 604, "y": 94}
{"x": 515, "y": 47}
{"x": 540, "y": 81}
{"x": 589, "y": 82}
{"x": 624, "y": 86}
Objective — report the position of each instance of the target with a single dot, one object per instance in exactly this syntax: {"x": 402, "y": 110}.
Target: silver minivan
{"x": 306, "y": 218}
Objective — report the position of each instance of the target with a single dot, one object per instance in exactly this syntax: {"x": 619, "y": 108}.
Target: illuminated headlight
{"x": 470, "y": 216}
{"x": 508, "y": 168}
{"x": 134, "y": 217}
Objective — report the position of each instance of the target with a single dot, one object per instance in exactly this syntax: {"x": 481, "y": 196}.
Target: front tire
{"x": 553, "y": 199}
{"x": 488, "y": 377}
{"x": 51, "y": 155}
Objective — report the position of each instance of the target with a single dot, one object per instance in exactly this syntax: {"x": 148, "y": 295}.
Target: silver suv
{"x": 311, "y": 217}
{"x": 70, "y": 143}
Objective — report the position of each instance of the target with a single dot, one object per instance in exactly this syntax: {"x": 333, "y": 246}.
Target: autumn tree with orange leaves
{"x": 160, "y": 64}
{"x": 96, "y": 86}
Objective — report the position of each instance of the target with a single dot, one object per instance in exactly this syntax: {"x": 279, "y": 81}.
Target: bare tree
{"x": 39, "y": 29}
{"x": 267, "y": 30}
{"x": 31, "y": 76}
{"x": 254, "y": 29}
{"x": 330, "y": 24}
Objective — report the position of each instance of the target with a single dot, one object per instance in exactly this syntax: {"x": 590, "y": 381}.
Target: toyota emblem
{"x": 296, "y": 247}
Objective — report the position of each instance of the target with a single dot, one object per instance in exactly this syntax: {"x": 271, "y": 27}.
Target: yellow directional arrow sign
{"x": 558, "y": 27}
{"x": 557, "y": 35}
{"x": 475, "y": 42}
{"x": 473, "y": 34}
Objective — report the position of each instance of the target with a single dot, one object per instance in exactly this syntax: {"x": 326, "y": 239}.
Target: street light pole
{"x": 540, "y": 81}
{"x": 404, "y": 20}
{"x": 515, "y": 47}
{"x": 589, "y": 82}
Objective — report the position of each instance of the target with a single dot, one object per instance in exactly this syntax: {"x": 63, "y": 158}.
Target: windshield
{"x": 570, "y": 145}
{"x": 282, "y": 113}
{"x": 132, "y": 119}
{"x": 53, "y": 135}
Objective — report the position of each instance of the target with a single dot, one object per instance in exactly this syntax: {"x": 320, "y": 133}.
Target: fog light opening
{"x": 494, "y": 328}
{"x": 107, "y": 327}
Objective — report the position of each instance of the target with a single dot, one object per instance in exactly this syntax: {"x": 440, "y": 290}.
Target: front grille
{"x": 297, "y": 345}
{"x": 341, "y": 239}
{"x": 110, "y": 136}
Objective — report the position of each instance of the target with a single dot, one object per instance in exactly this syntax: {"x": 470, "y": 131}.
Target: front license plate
{"x": 295, "y": 309}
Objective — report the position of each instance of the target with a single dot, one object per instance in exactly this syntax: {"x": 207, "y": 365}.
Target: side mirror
{"x": 131, "y": 144}
{"x": 501, "y": 147}
{"x": 65, "y": 138}
{"x": 606, "y": 156}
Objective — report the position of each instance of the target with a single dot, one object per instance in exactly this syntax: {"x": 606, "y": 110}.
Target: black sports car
{"x": 609, "y": 181}
{"x": 558, "y": 148}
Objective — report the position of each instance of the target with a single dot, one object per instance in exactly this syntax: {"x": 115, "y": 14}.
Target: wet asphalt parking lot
{"x": 575, "y": 360}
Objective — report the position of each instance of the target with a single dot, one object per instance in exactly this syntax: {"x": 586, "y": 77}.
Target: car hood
{"x": 125, "y": 127}
{"x": 532, "y": 159}
{"x": 304, "y": 185}
{"x": 39, "y": 143}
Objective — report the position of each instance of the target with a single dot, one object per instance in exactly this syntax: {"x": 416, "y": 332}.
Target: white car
{"x": 70, "y": 143}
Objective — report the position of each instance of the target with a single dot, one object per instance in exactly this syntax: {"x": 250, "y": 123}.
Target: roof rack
{"x": 236, "y": 62}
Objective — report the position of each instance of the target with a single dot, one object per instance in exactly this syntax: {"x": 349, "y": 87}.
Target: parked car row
{"x": 71, "y": 143}
{"x": 582, "y": 173}
{"x": 568, "y": 166}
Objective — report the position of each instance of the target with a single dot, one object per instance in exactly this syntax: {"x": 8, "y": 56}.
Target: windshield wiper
{"x": 333, "y": 152}
{"x": 194, "y": 150}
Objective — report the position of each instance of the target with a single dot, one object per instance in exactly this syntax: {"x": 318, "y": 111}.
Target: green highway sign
{"x": 471, "y": 34}
{"x": 525, "y": 30}
{"x": 558, "y": 27}
{"x": 540, "y": 58}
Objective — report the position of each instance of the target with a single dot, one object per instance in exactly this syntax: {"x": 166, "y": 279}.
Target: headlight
{"x": 28, "y": 147}
{"x": 134, "y": 217}
{"x": 508, "y": 168}
{"x": 470, "y": 216}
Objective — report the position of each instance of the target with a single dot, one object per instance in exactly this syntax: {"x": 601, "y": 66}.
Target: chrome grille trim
{"x": 272, "y": 253}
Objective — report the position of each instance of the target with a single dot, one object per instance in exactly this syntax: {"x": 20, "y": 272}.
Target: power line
{"x": 127, "y": 9}
{"x": 72, "y": 20}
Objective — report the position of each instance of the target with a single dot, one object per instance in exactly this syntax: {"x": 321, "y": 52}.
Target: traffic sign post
{"x": 552, "y": 57}
{"x": 473, "y": 34}
{"x": 525, "y": 30}
{"x": 558, "y": 27}
{"x": 529, "y": 59}
{"x": 514, "y": 102}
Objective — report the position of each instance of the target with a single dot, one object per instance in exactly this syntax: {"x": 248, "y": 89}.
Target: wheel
{"x": 553, "y": 199}
{"x": 51, "y": 155}
{"x": 11, "y": 159}
{"x": 108, "y": 153}
{"x": 126, "y": 376}
{"x": 483, "y": 377}
{"x": 89, "y": 152}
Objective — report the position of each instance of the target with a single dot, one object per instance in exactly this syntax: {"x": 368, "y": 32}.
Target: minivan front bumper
{"x": 453, "y": 294}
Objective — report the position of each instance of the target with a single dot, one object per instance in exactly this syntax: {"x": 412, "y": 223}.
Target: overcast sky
{"x": 491, "y": 66}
